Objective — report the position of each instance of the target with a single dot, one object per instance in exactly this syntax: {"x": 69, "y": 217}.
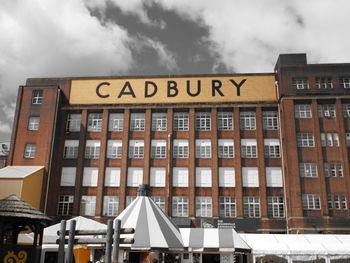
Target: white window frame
{"x": 275, "y": 206}
{"x": 68, "y": 175}
{"x": 326, "y": 111}
{"x": 311, "y": 202}
{"x": 305, "y": 139}
{"x": 204, "y": 206}
{"x": 203, "y": 177}
{"x": 65, "y": 205}
{"x": 344, "y": 82}
{"x": 110, "y": 205}
{"x": 136, "y": 149}
{"x": 226, "y": 148}
{"x": 180, "y": 206}
{"x": 116, "y": 122}
{"x": 227, "y": 206}
{"x": 33, "y": 123}
{"x": 272, "y": 148}
{"x": 92, "y": 149}
{"x": 135, "y": 176}
{"x": 300, "y": 83}
{"x": 159, "y": 121}
{"x": 73, "y": 122}
{"x": 71, "y": 149}
{"x": 203, "y": 148}
{"x": 30, "y": 151}
{"x": 203, "y": 121}
{"x": 94, "y": 122}
{"x": 274, "y": 177}
{"x": 88, "y": 205}
{"x": 346, "y": 110}
{"x": 90, "y": 177}
{"x": 112, "y": 177}
{"x": 324, "y": 83}
{"x": 308, "y": 170}
{"x": 158, "y": 149}
{"x": 37, "y": 96}
{"x": 181, "y": 121}
{"x": 180, "y": 177}
{"x": 302, "y": 111}
{"x": 251, "y": 206}
{"x": 270, "y": 120}
{"x": 180, "y": 149}
{"x": 114, "y": 149}
{"x": 157, "y": 176}
{"x": 227, "y": 177}
{"x": 137, "y": 121}
{"x": 225, "y": 121}
{"x": 250, "y": 176}
{"x": 247, "y": 120}
{"x": 249, "y": 148}
{"x": 160, "y": 201}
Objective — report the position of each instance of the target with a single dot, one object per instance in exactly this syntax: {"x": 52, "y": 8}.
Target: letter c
{"x": 98, "y": 89}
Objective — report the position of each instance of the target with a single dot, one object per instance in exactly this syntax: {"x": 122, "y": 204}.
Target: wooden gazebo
{"x": 17, "y": 216}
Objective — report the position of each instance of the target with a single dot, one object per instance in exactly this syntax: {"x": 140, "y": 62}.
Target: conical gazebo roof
{"x": 153, "y": 228}
{"x": 13, "y": 207}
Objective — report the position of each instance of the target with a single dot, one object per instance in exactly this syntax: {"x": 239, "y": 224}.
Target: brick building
{"x": 264, "y": 152}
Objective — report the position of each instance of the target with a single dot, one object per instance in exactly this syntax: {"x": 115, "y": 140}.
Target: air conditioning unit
{"x": 327, "y": 113}
{"x": 348, "y": 113}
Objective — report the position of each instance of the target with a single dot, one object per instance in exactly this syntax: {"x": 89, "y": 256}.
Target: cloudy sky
{"x": 61, "y": 38}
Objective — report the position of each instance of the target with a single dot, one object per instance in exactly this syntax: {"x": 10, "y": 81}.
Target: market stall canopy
{"x": 213, "y": 240}
{"x": 153, "y": 228}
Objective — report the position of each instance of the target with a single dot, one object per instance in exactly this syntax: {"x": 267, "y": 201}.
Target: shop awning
{"x": 213, "y": 240}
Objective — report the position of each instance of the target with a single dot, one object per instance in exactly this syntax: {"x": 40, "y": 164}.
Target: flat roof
{"x": 18, "y": 172}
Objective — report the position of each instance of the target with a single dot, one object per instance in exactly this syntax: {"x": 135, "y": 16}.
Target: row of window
{"x": 330, "y": 169}
{"x": 180, "y": 205}
{"x": 304, "y": 111}
{"x": 180, "y": 148}
{"x": 320, "y": 83}
{"x": 180, "y": 177}
{"x": 312, "y": 201}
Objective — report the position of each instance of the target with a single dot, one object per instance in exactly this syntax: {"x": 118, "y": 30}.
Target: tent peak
{"x": 144, "y": 190}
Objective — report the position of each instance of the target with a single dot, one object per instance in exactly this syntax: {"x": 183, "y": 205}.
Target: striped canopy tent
{"x": 213, "y": 240}
{"x": 153, "y": 228}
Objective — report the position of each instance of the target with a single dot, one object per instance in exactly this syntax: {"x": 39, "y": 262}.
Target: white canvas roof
{"x": 18, "y": 172}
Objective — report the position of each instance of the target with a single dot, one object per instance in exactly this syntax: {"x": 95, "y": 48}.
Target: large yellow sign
{"x": 174, "y": 90}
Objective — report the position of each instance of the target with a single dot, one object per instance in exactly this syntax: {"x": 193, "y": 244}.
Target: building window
{"x": 305, "y": 139}
{"x": 88, "y": 205}
{"x": 344, "y": 202}
{"x": 346, "y": 110}
{"x": 68, "y": 176}
{"x": 159, "y": 121}
{"x": 112, "y": 177}
{"x": 307, "y": 169}
{"x": 33, "y": 123}
{"x": 160, "y": 201}
{"x": 227, "y": 206}
{"x": 347, "y": 137}
{"x": 90, "y": 176}
{"x": 274, "y": 177}
{"x": 180, "y": 149}
{"x": 129, "y": 200}
{"x": 30, "y": 151}
{"x": 344, "y": 82}
{"x": 300, "y": 83}
{"x": 275, "y": 206}
{"x": 65, "y": 205}
{"x": 324, "y": 83}
{"x": 329, "y": 139}
{"x": 311, "y": 202}
{"x": 71, "y": 148}
{"x": 302, "y": 111}
{"x": 110, "y": 205}
{"x": 180, "y": 206}
{"x": 95, "y": 122}
{"x": 137, "y": 122}
{"x": 136, "y": 149}
{"x": 250, "y": 176}
{"x": 114, "y": 149}
{"x": 272, "y": 148}
{"x": 203, "y": 177}
{"x": 73, "y": 122}
{"x": 329, "y": 201}
{"x": 251, "y": 206}
{"x": 135, "y": 176}
{"x": 203, "y": 149}
{"x": 270, "y": 120}
{"x": 203, "y": 121}
{"x": 37, "y": 97}
{"x": 225, "y": 148}
{"x": 247, "y": 120}
{"x": 180, "y": 177}
{"x": 158, "y": 149}
{"x": 180, "y": 121}
{"x": 333, "y": 169}
{"x": 203, "y": 206}
{"x": 116, "y": 122}
{"x": 248, "y": 148}
{"x": 92, "y": 149}
{"x": 225, "y": 121}
{"x": 326, "y": 111}
{"x": 157, "y": 177}
{"x": 227, "y": 177}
